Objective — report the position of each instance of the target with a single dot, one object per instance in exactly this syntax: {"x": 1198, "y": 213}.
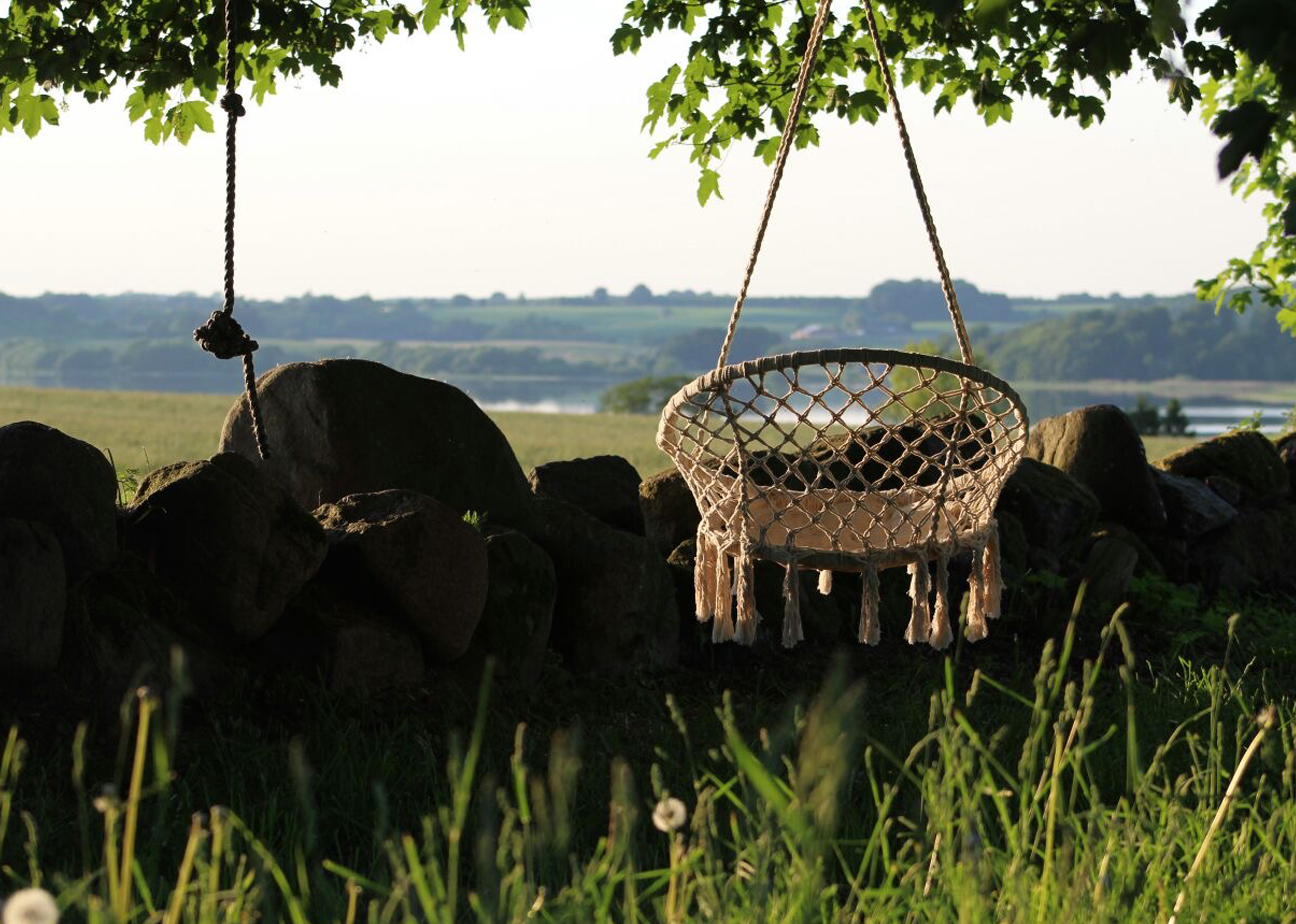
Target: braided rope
{"x": 780, "y": 161}
{"x": 223, "y": 336}
{"x": 947, "y": 285}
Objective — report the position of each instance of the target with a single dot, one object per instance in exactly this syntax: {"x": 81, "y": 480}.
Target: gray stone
{"x": 518, "y": 616}
{"x": 605, "y": 487}
{"x": 1108, "y": 570}
{"x": 669, "y": 512}
{"x": 419, "y": 556}
{"x": 230, "y": 541}
{"x": 616, "y": 604}
{"x": 1254, "y": 551}
{"x": 33, "y": 588}
{"x": 48, "y": 477}
{"x": 1247, "y": 457}
{"x": 349, "y": 426}
{"x": 1192, "y": 508}
{"x": 1099, "y": 447}
{"x": 1057, "y": 514}
{"x": 1286, "y": 446}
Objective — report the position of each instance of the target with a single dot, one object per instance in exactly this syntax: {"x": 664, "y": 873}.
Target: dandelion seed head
{"x": 669, "y": 815}
{"x": 30, "y": 906}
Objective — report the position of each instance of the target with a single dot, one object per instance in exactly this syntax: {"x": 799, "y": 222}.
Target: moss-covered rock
{"x": 1057, "y": 514}
{"x": 1247, "y": 457}
{"x": 1099, "y": 447}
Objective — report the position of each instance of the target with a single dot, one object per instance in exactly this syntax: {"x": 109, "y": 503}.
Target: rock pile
{"x": 393, "y": 535}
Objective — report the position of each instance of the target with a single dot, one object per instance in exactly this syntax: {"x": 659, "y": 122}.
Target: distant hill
{"x": 1143, "y": 344}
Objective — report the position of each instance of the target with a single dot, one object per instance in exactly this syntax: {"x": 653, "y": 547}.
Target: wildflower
{"x": 30, "y": 906}
{"x": 669, "y": 815}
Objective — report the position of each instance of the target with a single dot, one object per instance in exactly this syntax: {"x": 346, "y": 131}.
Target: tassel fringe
{"x": 976, "y": 623}
{"x": 919, "y": 629}
{"x": 747, "y": 615}
{"x": 992, "y": 574}
{"x": 704, "y": 579}
{"x": 825, "y": 582}
{"x": 942, "y": 632}
{"x": 870, "y": 629}
{"x": 723, "y": 629}
{"x": 792, "y": 632}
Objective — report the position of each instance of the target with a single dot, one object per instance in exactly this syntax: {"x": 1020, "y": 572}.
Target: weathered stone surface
{"x": 1255, "y": 550}
{"x": 1287, "y": 452}
{"x": 1247, "y": 457}
{"x": 123, "y": 626}
{"x": 616, "y": 600}
{"x": 605, "y": 487}
{"x": 343, "y": 639}
{"x": 48, "y": 477}
{"x": 669, "y": 512}
{"x": 368, "y": 656}
{"x": 33, "y": 588}
{"x": 1225, "y": 488}
{"x": 519, "y": 612}
{"x": 1057, "y": 514}
{"x": 349, "y": 426}
{"x": 228, "y": 540}
{"x": 417, "y": 554}
{"x": 1099, "y": 447}
{"x": 1192, "y": 508}
{"x": 1108, "y": 571}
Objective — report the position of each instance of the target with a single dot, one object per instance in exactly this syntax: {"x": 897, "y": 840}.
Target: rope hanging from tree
{"x": 222, "y": 335}
{"x": 781, "y": 468}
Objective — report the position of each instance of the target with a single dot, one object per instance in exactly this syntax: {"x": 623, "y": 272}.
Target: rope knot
{"x": 233, "y": 104}
{"x": 224, "y": 337}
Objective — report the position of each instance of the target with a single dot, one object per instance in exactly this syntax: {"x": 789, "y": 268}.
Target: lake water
{"x": 1207, "y": 417}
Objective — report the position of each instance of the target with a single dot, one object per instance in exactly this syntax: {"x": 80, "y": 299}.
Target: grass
{"x": 143, "y": 430}
{"x": 1087, "y": 783}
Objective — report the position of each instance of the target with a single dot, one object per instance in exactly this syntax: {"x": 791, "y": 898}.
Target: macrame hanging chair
{"x": 851, "y": 459}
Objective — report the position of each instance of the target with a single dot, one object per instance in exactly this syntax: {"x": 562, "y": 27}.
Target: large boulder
{"x": 616, "y": 600}
{"x": 605, "y": 487}
{"x": 124, "y": 626}
{"x": 669, "y": 512}
{"x": 1287, "y": 452}
{"x": 48, "y": 477}
{"x": 343, "y": 639}
{"x": 1056, "y": 513}
{"x": 418, "y": 555}
{"x": 1245, "y": 456}
{"x": 1192, "y": 508}
{"x": 519, "y": 612}
{"x": 1099, "y": 447}
{"x": 349, "y": 426}
{"x": 1254, "y": 551}
{"x": 229, "y": 540}
{"x": 33, "y": 588}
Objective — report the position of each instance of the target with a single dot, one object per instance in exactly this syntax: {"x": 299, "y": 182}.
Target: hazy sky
{"x": 519, "y": 166}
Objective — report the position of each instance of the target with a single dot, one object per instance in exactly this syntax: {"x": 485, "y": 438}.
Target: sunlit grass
{"x": 1034, "y": 803}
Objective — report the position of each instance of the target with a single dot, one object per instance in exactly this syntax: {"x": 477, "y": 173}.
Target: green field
{"x": 142, "y": 430}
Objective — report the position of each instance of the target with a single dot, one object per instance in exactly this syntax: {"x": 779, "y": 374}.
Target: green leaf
{"x": 708, "y": 186}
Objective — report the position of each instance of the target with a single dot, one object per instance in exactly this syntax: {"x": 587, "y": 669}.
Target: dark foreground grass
{"x": 1091, "y": 776}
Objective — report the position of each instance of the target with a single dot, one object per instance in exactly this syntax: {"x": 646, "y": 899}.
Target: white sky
{"x": 519, "y": 166}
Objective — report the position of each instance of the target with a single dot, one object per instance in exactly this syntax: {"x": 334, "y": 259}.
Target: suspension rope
{"x": 947, "y": 285}
{"x": 222, "y": 335}
{"x": 780, "y": 162}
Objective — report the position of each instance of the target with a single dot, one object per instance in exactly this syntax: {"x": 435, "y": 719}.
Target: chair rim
{"x": 720, "y": 378}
